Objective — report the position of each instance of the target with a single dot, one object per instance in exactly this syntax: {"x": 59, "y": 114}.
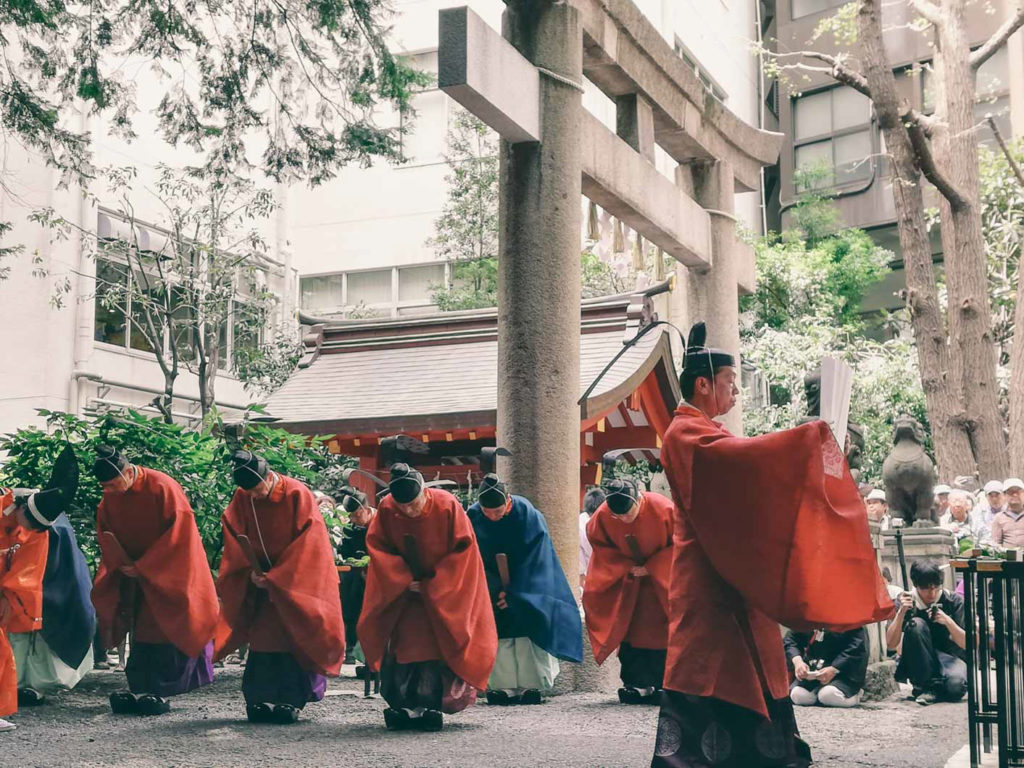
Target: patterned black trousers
{"x": 701, "y": 732}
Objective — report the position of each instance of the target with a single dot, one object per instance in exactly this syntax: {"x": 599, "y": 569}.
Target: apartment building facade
{"x": 832, "y": 125}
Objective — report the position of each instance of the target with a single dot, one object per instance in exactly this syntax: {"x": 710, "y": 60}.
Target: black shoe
{"x": 259, "y": 713}
{"x": 498, "y": 698}
{"x": 530, "y": 697}
{"x": 651, "y": 698}
{"x": 124, "y": 703}
{"x": 285, "y": 714}
{"x": 630, "y": 696}
{"x": 153, "y": 705}
{"x": 432, "y": 720}
{"x": 30, "y": 697}
{"x": 397, "y": 719}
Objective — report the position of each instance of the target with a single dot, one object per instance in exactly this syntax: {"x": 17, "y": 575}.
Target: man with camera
{"x": 929, "y": 623}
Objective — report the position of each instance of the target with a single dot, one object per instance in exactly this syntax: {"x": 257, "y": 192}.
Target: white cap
{"x": 1013, "y": 482}
{"x": 941, "y": 489}
{"x": 993, "y": 486}
{"x": 876, "y": 495}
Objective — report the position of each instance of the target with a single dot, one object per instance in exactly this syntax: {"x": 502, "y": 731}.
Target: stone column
{"x": 716, "y": 289}
{"x": 539, "y": 280}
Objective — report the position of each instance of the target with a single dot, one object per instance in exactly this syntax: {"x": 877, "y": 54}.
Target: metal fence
{"x": 995, "y": 669}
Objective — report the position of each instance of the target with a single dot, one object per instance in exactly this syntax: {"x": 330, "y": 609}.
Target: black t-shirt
{"x": 952, "y": 605}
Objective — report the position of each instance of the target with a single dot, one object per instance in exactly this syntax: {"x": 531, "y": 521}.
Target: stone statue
{"x": 854, "y": 448}
{"x": 909, "y": 475}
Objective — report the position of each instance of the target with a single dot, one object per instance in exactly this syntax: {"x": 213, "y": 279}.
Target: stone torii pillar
{"x": 530, "y": 92}
{"x": 539, "y": 278}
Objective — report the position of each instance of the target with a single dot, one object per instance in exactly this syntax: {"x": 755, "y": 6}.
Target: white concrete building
{"x": 83, "y": 357}
{"x": 361, "y": 240}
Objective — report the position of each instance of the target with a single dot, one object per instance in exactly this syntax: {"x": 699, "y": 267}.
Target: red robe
{"x": 451, "y": 619}
{"x": 771, "y": 530}
{"x": 22, "y": 563}
{"x": 299, "y": 612}
{"x": 619, "y": 607}
{"x": 176, "y": 601}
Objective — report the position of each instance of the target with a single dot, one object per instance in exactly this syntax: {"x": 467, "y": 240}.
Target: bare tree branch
{"x": 926, "y": 162}
{"x": 1014, "y": 165}
{"x": 928, "y": 10}
{"x": 999, "y": 38}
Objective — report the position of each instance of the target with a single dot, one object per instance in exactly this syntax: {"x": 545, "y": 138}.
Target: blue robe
{"x": 69, "y": 618}
{"x": 541, "y": 605}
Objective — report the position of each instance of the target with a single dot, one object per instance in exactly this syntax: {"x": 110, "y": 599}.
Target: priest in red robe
{"x": 153, "y": 583}
{"x": 279, "y": 592}
{"x": 625, "y": 596}
{"x": 769, "y": 530}
{"x": 427, "y": 622}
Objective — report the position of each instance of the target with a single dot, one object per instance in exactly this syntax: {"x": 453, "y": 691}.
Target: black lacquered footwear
{"x": 151, "y": 705}
{"x": 124, "y": 703}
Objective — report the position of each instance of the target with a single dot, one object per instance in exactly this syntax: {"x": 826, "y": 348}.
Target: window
{"x": 992, "y": 95}
{"x": 122, "y": 293}
{"x": 807, "y": 7}
{"x": 832, "y": 130}
{"x": 417, "y": 283}
{"x": 323, "y": 292}
{"x": 706, "y": 80}
{"x": 372, "y": 287}
{"x": 111, "y": 302}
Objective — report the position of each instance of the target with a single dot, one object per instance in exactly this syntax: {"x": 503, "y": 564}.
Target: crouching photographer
{"x": 929, "y": 623}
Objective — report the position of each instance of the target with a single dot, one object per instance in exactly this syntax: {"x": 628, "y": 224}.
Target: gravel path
{"x": 207, "y": 728}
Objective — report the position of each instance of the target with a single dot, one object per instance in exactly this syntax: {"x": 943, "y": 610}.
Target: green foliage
{"x": 303, "y": 77}
{"x": 1002, "y": 216}
{"x": 263, "y": 368}
{"x": 814, "y": 271}
{"x": 198, "y": 460}
{"x": 810, "y": 283}
{"x": 466, "y": 232}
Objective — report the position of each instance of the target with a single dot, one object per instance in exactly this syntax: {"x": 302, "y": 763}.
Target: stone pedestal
{"x": 935, "y": 544}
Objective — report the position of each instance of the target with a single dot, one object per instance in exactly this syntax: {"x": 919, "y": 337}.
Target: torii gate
{"x": 527, "y": 85}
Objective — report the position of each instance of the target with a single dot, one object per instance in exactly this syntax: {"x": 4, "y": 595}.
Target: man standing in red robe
{"x": 769, "y": 530}
{"x": 153, "y": 583}
{"x": 285, "y": 603}
{"x": 427, "y": 622}
{"x": 625, "y": 596}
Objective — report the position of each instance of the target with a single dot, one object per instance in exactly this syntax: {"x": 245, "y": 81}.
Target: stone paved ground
{"x": 207, "y": 729}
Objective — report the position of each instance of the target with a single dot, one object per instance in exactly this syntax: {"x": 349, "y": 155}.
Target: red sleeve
{"x": 459, "y": 604}
{"x": 303, "y": 587}
{"x": 106, "y": 591}
{"x": 233, "y": 586}
{"x": 387, "y": 580}
{"x": 174, "y": 576}
{"x": 780, "y": 519}
{"x": 609, "y": 592}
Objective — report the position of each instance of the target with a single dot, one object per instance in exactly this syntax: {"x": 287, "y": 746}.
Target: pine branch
{"x": 998, "y": 39}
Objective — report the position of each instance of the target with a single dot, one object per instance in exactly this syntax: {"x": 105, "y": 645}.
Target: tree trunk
{"x": 945, "y": 414}
{"x": 970, "y": 316}
{"x": 1017, "y": 382}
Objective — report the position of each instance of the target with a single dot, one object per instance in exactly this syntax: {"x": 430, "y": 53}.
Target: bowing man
{"x": 279, "y": 592}
{"x": 427, "y": 623}
{"x": 23, "y": 554}
{"x": 536, "y": 615}
{"x": 625, "y": 596}
{"x": 58, "y": 655}
{"x": 153, "y": 583}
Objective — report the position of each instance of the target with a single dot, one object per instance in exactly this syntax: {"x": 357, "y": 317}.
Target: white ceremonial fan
{"x": 836, "y": 388}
